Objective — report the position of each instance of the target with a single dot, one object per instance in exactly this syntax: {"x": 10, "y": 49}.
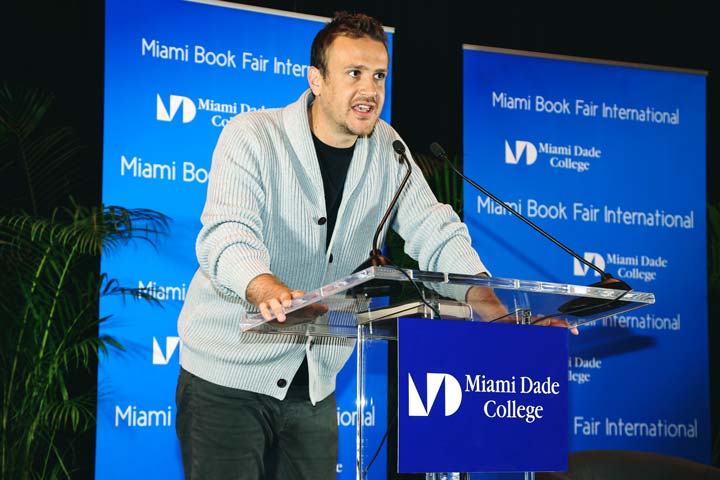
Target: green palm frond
{"x": 90, "y": 231}
{"x": 50, "y": 287}
{"x": 22, "y": 109}
{"x": 445, "y": 183}
{"x": 38, "y": 156}
{"x": 49, "y": 300}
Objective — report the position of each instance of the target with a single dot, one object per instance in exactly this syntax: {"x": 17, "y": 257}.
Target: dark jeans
{"x": 227, "y": 433}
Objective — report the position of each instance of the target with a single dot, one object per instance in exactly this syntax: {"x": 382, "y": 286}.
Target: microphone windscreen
{"x": 399, "y": 147}
{"x": 438, "y": 151}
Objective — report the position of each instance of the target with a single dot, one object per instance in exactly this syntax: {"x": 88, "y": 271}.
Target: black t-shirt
{"x": 334, "y": 164}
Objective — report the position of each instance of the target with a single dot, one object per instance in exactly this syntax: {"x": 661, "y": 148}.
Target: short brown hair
{"x": 353, "y": 25}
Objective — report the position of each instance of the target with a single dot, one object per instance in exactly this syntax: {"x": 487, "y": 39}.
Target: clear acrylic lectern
{"x": 365, "y": 305}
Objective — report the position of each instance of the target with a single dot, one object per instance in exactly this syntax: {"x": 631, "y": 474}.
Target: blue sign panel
{"x": 175, "y": 73}
{"x": 610, "y": 159}
{"x": 478, "y": 397}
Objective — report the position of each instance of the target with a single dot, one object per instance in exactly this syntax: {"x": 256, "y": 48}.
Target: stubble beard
{"x": 364, "y": 132}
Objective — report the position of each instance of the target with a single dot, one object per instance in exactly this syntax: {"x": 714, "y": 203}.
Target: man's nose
{"x": 368, "y": 89}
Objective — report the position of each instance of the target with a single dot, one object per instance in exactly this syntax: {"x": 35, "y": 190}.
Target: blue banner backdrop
{"x": 175, "y": 73}
{"x": 610, "y": 159}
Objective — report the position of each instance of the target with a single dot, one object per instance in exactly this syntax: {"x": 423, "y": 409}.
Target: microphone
{"x": 376, "y": 258}
{"x": 579, "y": 306}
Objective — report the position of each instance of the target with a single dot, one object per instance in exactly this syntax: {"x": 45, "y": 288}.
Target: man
{"x": 294, "y": 197}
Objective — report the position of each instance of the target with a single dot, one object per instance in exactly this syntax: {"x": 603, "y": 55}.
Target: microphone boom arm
{"x": 394, "y": 199}
{"x": 440, "y": 154}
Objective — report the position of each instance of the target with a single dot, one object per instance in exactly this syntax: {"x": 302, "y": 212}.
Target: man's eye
{"x": 380, "y": 75}
{"x": 354, "y": 73}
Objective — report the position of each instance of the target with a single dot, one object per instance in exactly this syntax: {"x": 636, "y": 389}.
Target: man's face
{"x": 350, "y": 96}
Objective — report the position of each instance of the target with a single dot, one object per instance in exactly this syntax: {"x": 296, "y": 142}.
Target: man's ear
{"x": 315, "y": 79}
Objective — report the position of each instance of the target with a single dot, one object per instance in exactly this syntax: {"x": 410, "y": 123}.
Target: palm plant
{"x": 37, "y": 160}
{"x": 50, "y": 289}
{"x": 446, "y": 184}
{"x": 50, "y": 306}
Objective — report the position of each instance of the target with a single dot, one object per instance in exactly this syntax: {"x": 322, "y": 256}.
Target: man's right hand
{"x": 271, "y": 296}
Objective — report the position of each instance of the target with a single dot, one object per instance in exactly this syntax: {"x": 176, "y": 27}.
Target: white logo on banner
{"x": 176, "y": 101}
{"x": 453, "y": 395}
{"x": 160, "y": 358}
{"x": 580, "y": 269}
{"x": 521, "y": 147}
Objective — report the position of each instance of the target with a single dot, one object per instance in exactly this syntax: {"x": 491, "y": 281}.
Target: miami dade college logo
{"x": 453, "y": 395}
{"x": 580, "y": 269}
{"x": 521, "y": 148}
{"x": 163, "y": 358}
{"x": 165, "y": 114}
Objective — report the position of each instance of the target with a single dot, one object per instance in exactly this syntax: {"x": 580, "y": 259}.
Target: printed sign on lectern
{"x": 478, "y": 397}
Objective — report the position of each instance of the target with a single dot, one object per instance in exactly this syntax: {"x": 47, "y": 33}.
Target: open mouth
{"x": 363, "y": 108}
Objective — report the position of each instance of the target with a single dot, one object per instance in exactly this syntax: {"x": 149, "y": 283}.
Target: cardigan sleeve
{"x": 230, "y": 246}
{"x": 434, "y": 234}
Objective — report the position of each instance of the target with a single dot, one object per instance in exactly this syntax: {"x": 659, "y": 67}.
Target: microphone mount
{"x": 376, "y": 258}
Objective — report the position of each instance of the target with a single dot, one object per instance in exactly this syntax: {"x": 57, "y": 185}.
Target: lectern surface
{"x": 337, "y": 308}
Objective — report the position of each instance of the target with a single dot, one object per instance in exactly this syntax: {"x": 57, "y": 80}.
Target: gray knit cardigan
{"x": 263, "y": 214}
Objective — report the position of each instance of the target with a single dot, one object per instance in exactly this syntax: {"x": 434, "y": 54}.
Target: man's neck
{"x": 317, "y": 126}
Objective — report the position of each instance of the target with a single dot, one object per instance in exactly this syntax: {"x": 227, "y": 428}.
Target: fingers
{"x": 556, "y": 322}
{"x": 285, "y": 299}
{"x": 564, "y": 324}
{"x": 270, "y": 308}
{"x": 277, "y": 306}
{"x": 271, "y": 296}
{"x": 274, "y": 307}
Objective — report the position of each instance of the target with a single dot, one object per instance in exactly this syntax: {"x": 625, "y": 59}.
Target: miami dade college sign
{"x": 478, "y": 397}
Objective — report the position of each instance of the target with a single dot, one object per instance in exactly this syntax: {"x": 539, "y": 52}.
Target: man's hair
{"x": 353, "y": 25}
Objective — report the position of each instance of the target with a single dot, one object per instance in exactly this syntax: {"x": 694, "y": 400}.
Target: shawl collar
{"x": 297, "y": 126}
